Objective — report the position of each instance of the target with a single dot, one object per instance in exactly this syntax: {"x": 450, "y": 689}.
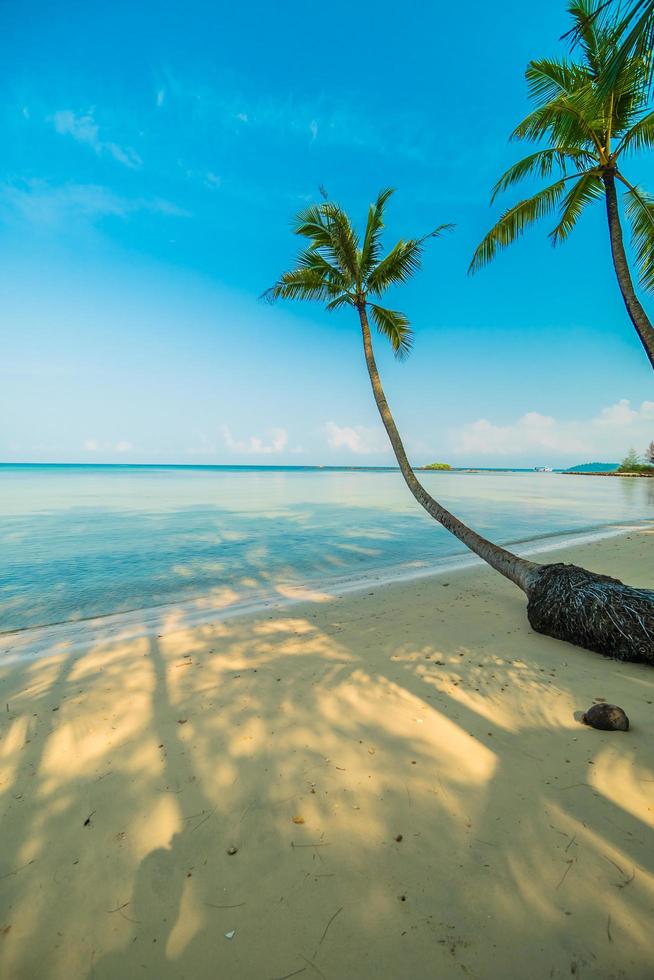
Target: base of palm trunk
{"x": 593, "y": 611}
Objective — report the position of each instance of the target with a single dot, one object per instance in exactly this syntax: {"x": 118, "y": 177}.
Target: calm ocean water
{"x": 85, "y": 541}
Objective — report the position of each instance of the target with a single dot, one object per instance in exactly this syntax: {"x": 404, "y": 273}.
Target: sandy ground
{"x": 400, "y": 772}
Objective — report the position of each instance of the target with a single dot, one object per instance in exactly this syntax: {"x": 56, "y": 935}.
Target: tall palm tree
{"x": 339, "y": 270}
{"x": 590, "y": 133}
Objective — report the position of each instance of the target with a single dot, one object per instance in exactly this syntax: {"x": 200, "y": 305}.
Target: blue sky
{"x": 152, "y": 159}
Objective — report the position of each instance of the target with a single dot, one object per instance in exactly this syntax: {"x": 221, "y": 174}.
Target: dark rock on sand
{"x": 607, "y": 717}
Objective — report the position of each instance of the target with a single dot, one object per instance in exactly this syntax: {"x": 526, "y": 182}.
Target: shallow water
{"x": 78, "y": 542}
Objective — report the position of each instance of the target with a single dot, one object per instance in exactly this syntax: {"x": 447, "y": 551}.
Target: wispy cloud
{"x": 42, "y": 203}
{"x": 606, "y": 436}
{"x": 255, "y": 445}
{"x": 235, "y": 106}
{"x": 358, "y": 439}
{"x": 84, "y": 129}
{"x": 206, "y": 177}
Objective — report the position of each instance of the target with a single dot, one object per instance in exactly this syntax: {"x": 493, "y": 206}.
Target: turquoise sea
{"x": 85, "y": 541}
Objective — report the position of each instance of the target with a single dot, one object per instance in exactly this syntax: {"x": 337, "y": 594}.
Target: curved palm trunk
{"x": 636, "y": 312}
{"x": 565, "y": 601}
{"x": 518, "y": 570}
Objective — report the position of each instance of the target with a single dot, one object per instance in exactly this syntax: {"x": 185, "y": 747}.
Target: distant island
{"x": 631, "y": 465}
{"x": 593, "y": 468}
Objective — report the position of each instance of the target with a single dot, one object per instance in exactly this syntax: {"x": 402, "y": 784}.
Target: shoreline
{"x": 202, "y": 609}
{"x": 392, "y": 784}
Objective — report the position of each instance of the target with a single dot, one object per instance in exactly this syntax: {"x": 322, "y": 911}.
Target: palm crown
{"x": 590, "y": 130}
{"x": 340, "y": 270}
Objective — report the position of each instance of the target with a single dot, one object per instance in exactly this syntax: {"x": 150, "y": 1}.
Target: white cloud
{"x": 255, "y": 445}
{"x": 213, "y": 180}
{"x": 358, "y": 439}
{"x": 242, "y": 117}
{"x": 84, "y": 129}
{"x": 313, "y": 129}
{"x": 606, "y": 436}
{"x": 95, "y": 446}
{"x": 161, "y": 96}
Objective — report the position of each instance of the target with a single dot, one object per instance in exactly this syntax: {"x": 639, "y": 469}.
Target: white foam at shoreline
{"x": 68, "y": 637}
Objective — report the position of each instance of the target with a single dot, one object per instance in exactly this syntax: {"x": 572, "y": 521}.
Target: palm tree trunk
{"x": 518, "y": 570}
{"x": 565, "y": 601}
{"x": 636, "y": 312}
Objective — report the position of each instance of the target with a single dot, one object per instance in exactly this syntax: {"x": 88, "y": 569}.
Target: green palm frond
{"x": 640, "y": 211}
{"x": 345, "y": 299}
{"x": 514, "y": 221}
{"x": 344, "y": 242}
{"x": 548, "y": 79}
{"x": 311, "y": 224}
{"x": 401, "y": 263}
{"x": 396, "y": 327}
{"x": 587, "y": 189}
{"x": 587, "y": 18}
{"x": 636, "y": 42}
{"x": 563, "y": 121}
{"x": 639, "y": 137}
{"x": 371, "y": 250}
{"x": 316, "y": 261}
{"x": 328, "y": 228}
{"x": 541, "y": 164}
{"x": 301, "y": 284}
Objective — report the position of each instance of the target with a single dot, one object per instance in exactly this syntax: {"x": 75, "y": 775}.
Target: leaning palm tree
{"x": 341, "y": 271}
{"x": 589, "y": 134}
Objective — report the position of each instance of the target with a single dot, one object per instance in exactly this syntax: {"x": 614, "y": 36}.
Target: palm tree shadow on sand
{"x": 365, "y": 741}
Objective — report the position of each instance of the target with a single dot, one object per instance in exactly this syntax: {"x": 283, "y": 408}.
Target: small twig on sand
{"x": 237, "y": 906}
{"x": 192, "y": 816}
{"x": 204, "y": 820}
{"x": 313, "y": 967}
{"x": 119, "y": 909}
{"x": 325, "y": 844}
{"x": 16, "y": 870}
{"x": 565, "y": 874}
{"x": 613, "y": 863}
{"x": 322, "y": 938}
{"x": 293, "y": 974}
{"x": 627, "y": 881}
{"x": 608, "y": 928}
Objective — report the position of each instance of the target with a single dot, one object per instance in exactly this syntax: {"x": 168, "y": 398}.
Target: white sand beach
{"x": 398, "y": 773}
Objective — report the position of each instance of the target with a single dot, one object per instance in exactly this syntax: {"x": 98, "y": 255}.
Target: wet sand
{"x": 400, "y": 773}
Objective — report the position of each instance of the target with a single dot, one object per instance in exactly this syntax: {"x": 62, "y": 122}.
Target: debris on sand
{"x": 606, "y": 717}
